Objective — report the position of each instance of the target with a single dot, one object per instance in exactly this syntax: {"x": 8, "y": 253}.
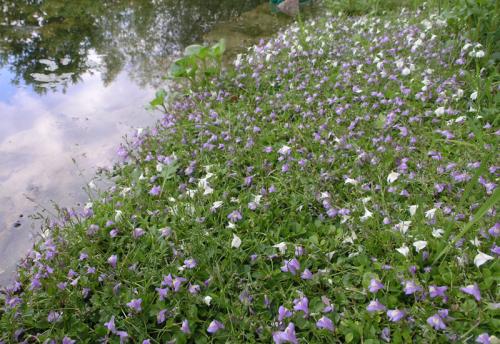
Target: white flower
{"x": 481, "y": 258}
{"x": 466, "y": 46}
{"x": 216, "y": 205}
{"x": 281, "y": 247}
{"x": 403, "y": 226}
{"x": 207, "y": 299}
{"x": 392, "y": 177}
{"x": 406, "y": 71}
{"x": 429, "y": 214}
{"x": 159, "y": 167}
{"x": 404, "y": 250}
{"x": 413, "y": 209}
{"x": 284, "y": 150}
{"x": 420, "y": 245}
{"x": 437, "y": 232}
{"x": 92, "y": 185}
{"x": 118, "y": 215}
{"x": 231, "y": 225}
{"x": 236, "y": 242}
{"x": 351, "y": 181}
{"x": 366, "y": 216}
{"x": 473, "y": 96}
{"x": 480, "y": 53}
{"x": 439, "y": 111}
{"x": 475, "y": 242}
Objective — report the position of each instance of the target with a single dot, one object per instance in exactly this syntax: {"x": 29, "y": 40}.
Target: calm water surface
{"x": 75, "y": 77}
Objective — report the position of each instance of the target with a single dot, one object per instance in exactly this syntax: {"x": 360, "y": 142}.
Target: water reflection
{"x": 50, "y": 43}
{"x": 74, "y": 78}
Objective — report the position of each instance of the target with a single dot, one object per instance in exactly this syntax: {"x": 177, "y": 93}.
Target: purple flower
{"x": 138, "y": 232}
{"x": 495, "y": 230}
{"x": 190, "y": 263}
{"x": 395, "y": 315}
{"x": 435, "y": 291}
{"x": 110, "y": 325}
{"x": 483, "y": 338}
{"x": 436, "y": 322}
{"x": 325, "y": 323}
{"x": 135, "y": 304}
{"x": 54, "y": 317}
{"x": 287, "y": 336}
{"x": 235, "y": 216}
{"x": 283, "y": 313}
{"x": 112, "y": 261}
{"x": 146, "y": 341}
{"x": 155, "y": 190}
{"x": 162, "y": 293}
{"x": 473, "y": 290}
{"x": 177, "y": 283}
{"x": 301, "y": 304}
{"x": 306, "y": 275}
{"x": 411, "y": 288}
{"x": 162, "y": 315}
{"x": 185, "y": 326}
{"x": 68, "y": 340}
{"x": 385, "y": 335}
{"x": 375, "y": 285}
{"x": 194, "y": 289}
{"x": 215, "y": 326}
{"x": 375, "y": 306}
{"x": 83, "y": 256}
{"x": 123, "y": 336}
{"x": 291, "y": 266}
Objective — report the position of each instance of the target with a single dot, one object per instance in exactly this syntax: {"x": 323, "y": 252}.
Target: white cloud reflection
{"x": 39, "y": 137}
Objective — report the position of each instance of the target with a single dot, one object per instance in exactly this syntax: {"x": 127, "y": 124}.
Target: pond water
{"x": 75, "y": 77}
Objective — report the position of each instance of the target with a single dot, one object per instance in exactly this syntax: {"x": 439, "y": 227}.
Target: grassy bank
{"x": 337, "y": 185}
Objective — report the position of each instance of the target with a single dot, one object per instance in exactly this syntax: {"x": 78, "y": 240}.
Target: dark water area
{"x": 75, "y": 76}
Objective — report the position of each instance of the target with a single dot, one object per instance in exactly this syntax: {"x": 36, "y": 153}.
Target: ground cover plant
{"x": 338, "y": 185}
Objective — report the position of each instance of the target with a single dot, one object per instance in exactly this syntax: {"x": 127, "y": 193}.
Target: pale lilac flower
{"x": 325, "y": 323}
{"x": 436, "y": 322}
{"x": 473, "y": 290}
{"x": 375, "y": 285}
{"x": 160, "y": 318}
{"x": 306, "y": 274}
{"x": 385, "y": 335}
{"x": 435, "y": 291}
{"x": 287, "y": 336}
{"x": 283, "y": 313}
{"x": 395, "y": 315}
{"x": 162, "y": 293}
{"x": 235, "y": 216}
{"x": 483, "y": 338}
{"x": 291, "y": 266}
{"x": 146, "y": 341}
{"x": 411, "y": 287}
{"x": 177, "y": 283}
{"x": 185, "y": 326}
{"x": 155, "y": 190}
{"x": 190, "y": 263}
{"x": 54, "y": 317}
{"x": 375, "y": 306}
{"x": 301, "y": 304}
{"x": 123, "y": 336}
{"x": 112, "y": 261}
{"x": 83, "y": 256}
{"x": 194, "y": 289}
{"x": 135, "y": 304}
{"x": 138, "y": 232}
{"x": 495, "y": 230}
{"x": 68, "y": 340}
{"x": 215, "y": 326}
{"x": 110, "y": 325}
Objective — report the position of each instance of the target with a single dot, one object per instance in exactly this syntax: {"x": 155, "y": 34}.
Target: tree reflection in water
{"x": 50, "y": 44}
